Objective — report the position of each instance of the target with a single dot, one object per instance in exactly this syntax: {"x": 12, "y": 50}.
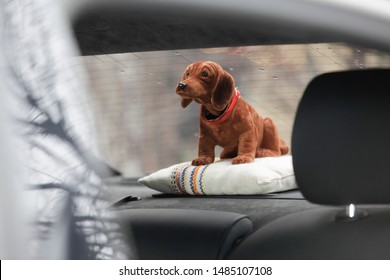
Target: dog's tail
{"x": 283, "y": 147}
{"x": 271, "y": 136}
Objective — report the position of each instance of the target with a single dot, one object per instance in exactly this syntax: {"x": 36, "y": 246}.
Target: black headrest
{"x": 341, "y": 138}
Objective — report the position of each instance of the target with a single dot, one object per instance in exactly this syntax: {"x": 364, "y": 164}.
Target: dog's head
{"x": 206, "y": 83}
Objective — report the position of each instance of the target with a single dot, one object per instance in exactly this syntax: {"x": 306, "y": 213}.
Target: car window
{"x": 141, "y": 125}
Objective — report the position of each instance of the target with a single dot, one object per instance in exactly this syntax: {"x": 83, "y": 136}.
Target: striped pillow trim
{"x": 188, "y": 179}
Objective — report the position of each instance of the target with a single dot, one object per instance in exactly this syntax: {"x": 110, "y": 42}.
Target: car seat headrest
{"x": 341, "y": 138}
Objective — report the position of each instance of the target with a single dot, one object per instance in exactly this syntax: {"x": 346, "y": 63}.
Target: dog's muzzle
{"x": 182, "y": 85}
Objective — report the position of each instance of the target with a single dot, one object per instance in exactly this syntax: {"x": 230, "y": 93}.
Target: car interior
{"x": 319, "y": 69}
{"x": 333, "y": 143}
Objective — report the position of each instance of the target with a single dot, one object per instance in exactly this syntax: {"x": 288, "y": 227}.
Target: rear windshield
{"x": 140, "y": 123}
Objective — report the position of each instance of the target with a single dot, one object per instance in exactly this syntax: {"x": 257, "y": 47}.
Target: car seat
{"x": 341, "y": 156}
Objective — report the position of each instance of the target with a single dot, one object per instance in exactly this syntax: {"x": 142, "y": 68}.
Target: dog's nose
{"x": 182, "y": 85}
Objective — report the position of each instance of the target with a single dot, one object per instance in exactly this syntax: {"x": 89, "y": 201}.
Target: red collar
{"x": 227, "y": 112}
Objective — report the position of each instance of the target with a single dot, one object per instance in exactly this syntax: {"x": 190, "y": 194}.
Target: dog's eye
{"x": 205, "y": 74}
{"x": 187, "y": 73}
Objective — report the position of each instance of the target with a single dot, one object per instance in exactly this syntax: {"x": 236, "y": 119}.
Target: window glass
{"x": 141, "y": 125}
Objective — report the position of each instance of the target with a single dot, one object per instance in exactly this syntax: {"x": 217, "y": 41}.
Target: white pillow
{"x": 264, "y": 175}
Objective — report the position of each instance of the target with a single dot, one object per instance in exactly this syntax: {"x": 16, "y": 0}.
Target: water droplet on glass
{"x": 358, "y": 50}
{"x": 151, "y": 73}
{"x": 275, "y": 77}
{"x": 159, "y": 83}
{"x": 261, "y": 69}
{"x": 231, "y": 68}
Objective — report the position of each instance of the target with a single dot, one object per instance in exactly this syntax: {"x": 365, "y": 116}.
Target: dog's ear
{"x": 224, "y": 91}
{"x": 185, "y": 102}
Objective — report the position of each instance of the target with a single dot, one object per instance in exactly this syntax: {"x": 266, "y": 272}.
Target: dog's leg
{"x": 206, "y": 151}
{"x": 229, "y": 152}
{"x": 270, "y": 145}
{"x": 246, "y": 148}
{"x": 267, "y": 153}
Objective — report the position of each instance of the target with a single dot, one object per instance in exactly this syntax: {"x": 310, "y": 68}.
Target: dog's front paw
{"x": 242, "y": 159}
{"x": 202, "y": 161}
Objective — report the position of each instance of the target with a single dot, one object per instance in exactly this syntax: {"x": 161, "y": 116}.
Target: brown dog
{"x": 225, "y": 118}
